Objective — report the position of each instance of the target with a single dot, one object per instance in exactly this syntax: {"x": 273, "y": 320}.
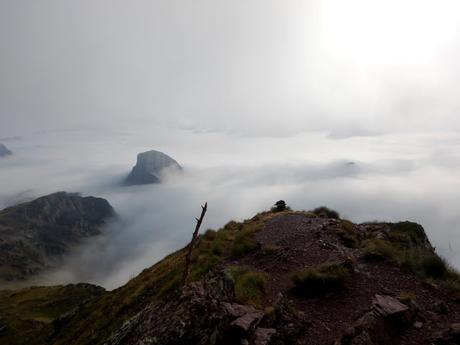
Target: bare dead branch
{"x": 190, "y": 246}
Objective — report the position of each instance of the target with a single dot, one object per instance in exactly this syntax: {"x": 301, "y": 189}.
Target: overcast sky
{"x": 255, "y": 67}
{"x": 259, "y": 100}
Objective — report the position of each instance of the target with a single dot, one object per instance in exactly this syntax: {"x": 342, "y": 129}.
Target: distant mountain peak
{"x": 33, "y": 234}
{"x": 4, "y": 151}
{"x": 149, "y": 167}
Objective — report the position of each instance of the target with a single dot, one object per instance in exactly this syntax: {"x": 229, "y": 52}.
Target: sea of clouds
{"x": 386, "y": 177}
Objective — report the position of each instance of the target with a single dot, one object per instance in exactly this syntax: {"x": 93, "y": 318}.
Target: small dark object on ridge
{"x": 279, "y": 206}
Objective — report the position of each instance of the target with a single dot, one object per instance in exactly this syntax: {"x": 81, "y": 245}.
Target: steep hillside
{"x": 33, "y": 235}
{"x": 26, "y": 313}
{"x": 280, "y": 278}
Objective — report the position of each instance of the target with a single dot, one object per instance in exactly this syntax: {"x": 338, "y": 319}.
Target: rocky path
{"x": 302, "y": 241}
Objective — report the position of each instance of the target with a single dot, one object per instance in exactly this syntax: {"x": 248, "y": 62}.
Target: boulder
{"x": 388, "y": 306}
{"x": 150, "y": 167}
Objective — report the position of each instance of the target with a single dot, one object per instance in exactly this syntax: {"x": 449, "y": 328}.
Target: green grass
{"x": 408, "y": 234}
{"x": 107, "y": 314}
{"x": 320, "y": 279}
{"x": 377, "y": 248}
{"x": 348, "y": 234}
{"x": 407, "y": 245}
{"x": 249, "y": 285}
{"x": 244, "y": 240}
{"x": 30, "y": 312}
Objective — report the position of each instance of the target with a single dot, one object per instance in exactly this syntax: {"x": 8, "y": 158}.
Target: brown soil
{"x": 304, "y": 241}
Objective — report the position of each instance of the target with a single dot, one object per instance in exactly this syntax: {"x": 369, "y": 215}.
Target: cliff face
{"x": 149, "y": 167}
{"x": 35, "y": 233}
{"x": 278, "y": 278}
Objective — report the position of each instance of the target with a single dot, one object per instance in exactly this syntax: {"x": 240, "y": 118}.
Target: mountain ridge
{"x": 33, "y": 234}
{"x": 258, "y": 280}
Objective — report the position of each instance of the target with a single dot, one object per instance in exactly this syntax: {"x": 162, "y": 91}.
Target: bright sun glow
{"x": 390, "y": 32}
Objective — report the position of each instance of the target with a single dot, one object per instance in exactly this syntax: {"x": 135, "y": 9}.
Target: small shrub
{"x": 348, "y": 234}
{"x": 324, "y": 211}
{"x": 210, "y": 234}
{"x": 249, "y": 285}
{"x": 280, "y": 206}
{"x": 319, "y": 279}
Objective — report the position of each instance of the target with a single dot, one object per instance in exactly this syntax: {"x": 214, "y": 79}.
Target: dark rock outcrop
{"x": 34, "y": 234}
{"x": 201, "y": 313}
{"x": 197, "y": 314}
{"x": 4, "y": 151}
{"x": 381, "y": 325}
{"x": 149, "y": 168}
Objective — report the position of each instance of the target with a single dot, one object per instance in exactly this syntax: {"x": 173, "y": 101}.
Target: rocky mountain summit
{"x": 282, "y": 277}
{"x": 33, "y": 235}
{"x": 4, "y": 151}
{"x": 149, "y": 168}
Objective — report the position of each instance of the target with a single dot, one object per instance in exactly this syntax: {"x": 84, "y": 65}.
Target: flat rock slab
{"x": 247, "y": 321}
{"x": 238, "y": 310}
{"x": 262, "y": 336}
{"x": 387, "y": 305}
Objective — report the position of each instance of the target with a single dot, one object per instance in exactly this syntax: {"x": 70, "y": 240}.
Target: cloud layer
{"x": 391, "y": 177}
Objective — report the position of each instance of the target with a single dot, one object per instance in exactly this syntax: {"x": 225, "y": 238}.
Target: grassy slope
{"x": 99, "y": 319}
{"x": 31, "y": 311}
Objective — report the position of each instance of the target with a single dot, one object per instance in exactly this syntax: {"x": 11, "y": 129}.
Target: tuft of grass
{"x": 244, "y": 240}
{"x": 323, "y": 278}
{"x": 406, "y": 246}
{"x": 249, "y": 285}
{"x": 433, "y": 266}
{"x": 407, "y": 297}
{"x": 376, "y": 248}
{"x": 324, "y": 211}
{"x": 270, "y": 249}
{"x": 452, "y": 278}
{"x": 348, "y": 234}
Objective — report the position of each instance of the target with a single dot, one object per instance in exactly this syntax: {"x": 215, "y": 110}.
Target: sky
{"x": 257, "y": 99}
